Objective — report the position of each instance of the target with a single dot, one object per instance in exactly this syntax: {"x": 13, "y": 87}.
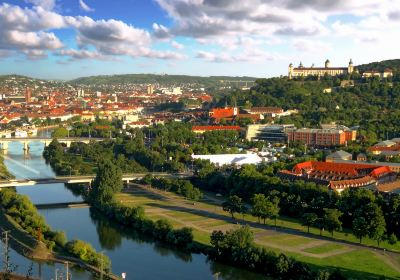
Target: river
{"x": 139, "y": 257}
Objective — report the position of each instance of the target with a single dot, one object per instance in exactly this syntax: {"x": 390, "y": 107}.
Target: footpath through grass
{"x": 207, "y": 215}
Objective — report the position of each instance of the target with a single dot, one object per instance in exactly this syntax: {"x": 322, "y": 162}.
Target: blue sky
{"x": 65, "y": 39}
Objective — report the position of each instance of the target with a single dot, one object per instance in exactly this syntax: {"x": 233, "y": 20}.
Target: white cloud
{"x": 311, "y": 46}
{"x": 85, "y": 7}
{"x": 80, "y": 54}
{"x": 45, "y": 4}
{"x": 26, "y": 30}
{"x": 177, "y": 46}
{"x": 252, "y": 55}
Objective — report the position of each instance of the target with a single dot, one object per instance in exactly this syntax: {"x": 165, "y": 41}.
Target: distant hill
{"x": 155, "y": 79}
{"x": 393, "y": 64}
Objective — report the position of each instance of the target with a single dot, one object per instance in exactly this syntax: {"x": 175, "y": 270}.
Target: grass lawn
{"x": 358, "y": 264}
{"x": 287, "y": 239}
{"x": 325, "y": 248}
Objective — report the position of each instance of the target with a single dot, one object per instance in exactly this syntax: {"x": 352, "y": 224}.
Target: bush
{"x": 85, "y": 252}
{"x": 392, "y": 239}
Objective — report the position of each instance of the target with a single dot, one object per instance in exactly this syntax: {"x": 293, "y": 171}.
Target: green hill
{"x": 155, "y": 79}
{"x": 393, "y": 64}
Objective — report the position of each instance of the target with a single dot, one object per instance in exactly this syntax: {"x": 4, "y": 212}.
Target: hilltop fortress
{"x": 302, "y": 71}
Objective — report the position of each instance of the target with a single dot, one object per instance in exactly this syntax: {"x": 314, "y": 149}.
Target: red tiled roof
{"x": 214, "y": 127}
{"x": 377, "y": 172}
{"x": 219, "y": 113}
{"x": 340, "y": 168}
{"x": 358, "y": 182}
{"x": 383, "y": 148}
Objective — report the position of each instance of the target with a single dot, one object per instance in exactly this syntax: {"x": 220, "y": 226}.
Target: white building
{"x": 230, "y": 159}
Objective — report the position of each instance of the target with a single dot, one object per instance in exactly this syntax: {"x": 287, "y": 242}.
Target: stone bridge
{"x": 46, "y": 140}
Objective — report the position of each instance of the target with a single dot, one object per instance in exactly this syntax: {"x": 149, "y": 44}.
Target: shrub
{"x": 392, "y": 239}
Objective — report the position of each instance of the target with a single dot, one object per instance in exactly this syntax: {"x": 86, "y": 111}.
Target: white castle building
{"x": 302, "y": 71}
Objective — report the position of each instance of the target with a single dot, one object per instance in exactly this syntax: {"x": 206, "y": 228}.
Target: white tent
{"x": 228, "y": 159}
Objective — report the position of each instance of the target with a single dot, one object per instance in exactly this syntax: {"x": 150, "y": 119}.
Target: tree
{"x": 272, "y": 210}
{"x": 107, "y": 182}
{"x": 374, "y": 219}
{"x": 240, "y": 238}
{"x": 332, "y": 220}
{"x": 217, "y": 237}
{"x": 309, "y": 219}
{"x": 360, "y": 227}
{"x": 233, "y": 205}
{"x": 320, "y": 224}
{"x": 259, "y": 202}
{"x": 60, "y": 132}
{"x": 377, "y": 225}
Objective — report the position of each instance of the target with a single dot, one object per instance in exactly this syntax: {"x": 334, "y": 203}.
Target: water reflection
{"x": 137, "y": 254}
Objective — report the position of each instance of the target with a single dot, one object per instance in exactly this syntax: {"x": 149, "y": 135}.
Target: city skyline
{"x": 58, "y": 39}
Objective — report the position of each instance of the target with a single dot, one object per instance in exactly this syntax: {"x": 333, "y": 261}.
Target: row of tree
{"x": 365, "y": 212}
{"x": 237, "y": 247}
{"x": 107, "y": 183}
{"x": 24, "y": 213}
{"x": 182, "y": 187}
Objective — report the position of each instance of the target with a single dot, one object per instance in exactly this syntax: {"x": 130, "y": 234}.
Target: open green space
{"x": 325, "y": 248}
{"x": 287, "y": 239}
{"x": 205, "y": 217}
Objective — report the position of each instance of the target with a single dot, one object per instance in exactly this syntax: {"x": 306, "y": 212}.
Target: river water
{"x": 132, "y": 253}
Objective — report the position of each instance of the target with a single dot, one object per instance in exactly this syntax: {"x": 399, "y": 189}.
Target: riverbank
{"x": 29, "y": 247}
{"x": 4, "y": 173}
{"x": 26, "y": 228}
{"x": 205, "y": 216}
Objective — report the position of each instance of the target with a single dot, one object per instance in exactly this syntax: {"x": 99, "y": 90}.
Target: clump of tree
{"x": 85, "y": 252}
{"x": 265, "y": 207}
{"x": 182, "y": 187}
{"x": 24, "y": 213}
{"x": 107, "y": 183}
{"x": 237, "y": 247}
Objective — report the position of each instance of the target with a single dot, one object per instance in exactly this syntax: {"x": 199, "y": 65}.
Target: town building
{"x": 302, "y": 71}
{"x": 382, "y": 75}
{"x": 150, "y": 89}
{"x": 387, "y": 148}
{"x": 221, "y": 113}
{"x": 267, "y": 132}
{"x": 340, "y": 176}
{"x": 321, "y": 137}
{"x": 28, "y": 95}
{"x": 203, "y": 128}
{"x": 339, "y": 155}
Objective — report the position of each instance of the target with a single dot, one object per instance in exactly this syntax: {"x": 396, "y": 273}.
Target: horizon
{"x": 64, "y": 40}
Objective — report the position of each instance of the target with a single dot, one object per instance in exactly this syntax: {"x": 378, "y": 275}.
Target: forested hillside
{"x": 156, "y": 79}
{"x": 373, "y": 105}
{"x": 393, "y": 64}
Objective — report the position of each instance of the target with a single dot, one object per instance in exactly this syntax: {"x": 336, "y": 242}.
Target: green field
{"x": 324, "y": 248}
{"x": 357, "y": 263}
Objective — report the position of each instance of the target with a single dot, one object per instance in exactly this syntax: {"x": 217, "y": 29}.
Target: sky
{"x": 66, "y": 39}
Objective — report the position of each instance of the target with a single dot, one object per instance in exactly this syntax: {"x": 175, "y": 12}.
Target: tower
{"x": 290, "y": 71}
{"x": 350, "y": 69}
{"x": 150, "y": 89}
{"x": 327, "y": 63}
{"x": 28, "y": 95}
